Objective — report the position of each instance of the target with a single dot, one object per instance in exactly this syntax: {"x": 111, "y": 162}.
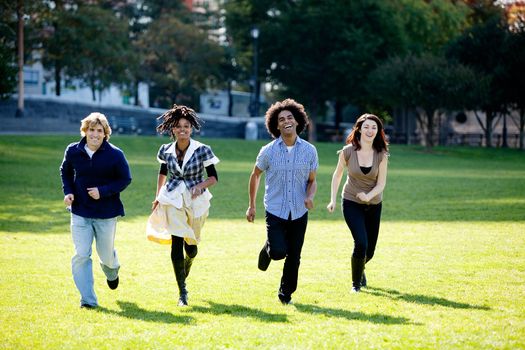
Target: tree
{"x": 514, "y": 62}
{"x": 179, "y": 60}
{"x": 57, "y": 43}
{"x": 430, "y": 25}
{"x": 481, "y": 48}
{"x": 316, "y": 51}
{"x": 324, "y": 50}
{"x": 7, "y": 52}
{"x": 99, "y": 45}
{"x": 17, "y": 17}
{"x": 428, "y": 84}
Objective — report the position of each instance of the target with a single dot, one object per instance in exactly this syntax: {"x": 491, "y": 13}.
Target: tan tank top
{"x": 356, "y": 180}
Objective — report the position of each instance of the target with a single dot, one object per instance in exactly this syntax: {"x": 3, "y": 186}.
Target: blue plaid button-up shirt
{"x": 287, "y": 174}
{"x": 198, "y": 156}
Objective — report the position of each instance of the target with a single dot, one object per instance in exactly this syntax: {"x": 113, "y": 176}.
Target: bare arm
{"x": 311, "y": 189}
{"x": 336, "y": 181}
{"x": 161, "y": 180}
{"x": 253, "y": 186}
{"x": 198, "y": 189}
{"x": 380, "y": 185}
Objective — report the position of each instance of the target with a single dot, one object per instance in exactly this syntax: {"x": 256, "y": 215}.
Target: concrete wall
{"x": 50, "y": 116}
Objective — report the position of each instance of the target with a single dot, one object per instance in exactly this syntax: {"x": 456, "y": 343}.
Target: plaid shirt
{"x": 287, "y": 174}
{"x": 198, "y": 156}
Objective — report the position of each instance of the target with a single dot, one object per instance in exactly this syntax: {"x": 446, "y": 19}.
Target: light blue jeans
{"x": 83, "y": 231}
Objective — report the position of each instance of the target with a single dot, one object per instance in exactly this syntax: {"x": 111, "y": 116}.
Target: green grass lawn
{"x": 449, "y": 269}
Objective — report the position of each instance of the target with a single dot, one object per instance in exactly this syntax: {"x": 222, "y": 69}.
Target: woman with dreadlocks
{"x": 182, "y": 200}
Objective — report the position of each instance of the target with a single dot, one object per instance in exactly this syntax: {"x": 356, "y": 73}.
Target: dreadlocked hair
{"x": 171, "y": 118}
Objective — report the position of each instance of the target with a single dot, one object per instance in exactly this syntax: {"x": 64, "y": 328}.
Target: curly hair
{"x": 293, "y": 107}
{"x": 171, "y": 117}
{"x": 93, "y": 119}
{"x": 380, "y": 142}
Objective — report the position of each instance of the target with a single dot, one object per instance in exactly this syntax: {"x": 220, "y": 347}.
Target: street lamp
{"x": 254, "y": 110}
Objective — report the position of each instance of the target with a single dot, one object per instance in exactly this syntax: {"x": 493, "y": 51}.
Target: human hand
{"x": 68, "y": 199}
{"x": 250, "y": 214}
{"x": 196, "y": 191}
{"x": 93, "y": 192}
{"x": 363, "y": 197}
{"x": 154, "y": 204}
{"x": 331, "y": 207}
{"x": 309, "y": 203}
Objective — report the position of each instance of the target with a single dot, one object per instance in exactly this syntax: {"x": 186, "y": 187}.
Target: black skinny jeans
{"x": 177, "y": 251}
{"x": 285, "y": 240}
{"x": 363, "y": 221}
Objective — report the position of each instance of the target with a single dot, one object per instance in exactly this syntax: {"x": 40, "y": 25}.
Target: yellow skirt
{"x": 166, "y": 220}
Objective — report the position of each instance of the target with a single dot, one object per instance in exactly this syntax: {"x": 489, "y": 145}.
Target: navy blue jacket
{"x": 108, "y": 170}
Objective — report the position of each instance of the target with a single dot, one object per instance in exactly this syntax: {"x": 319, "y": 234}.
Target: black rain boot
{"x": 363, "y": 279}
{"x": 358, "y": 265}
{"x": 187, "y": 265}
{"x": 180, "y": 276}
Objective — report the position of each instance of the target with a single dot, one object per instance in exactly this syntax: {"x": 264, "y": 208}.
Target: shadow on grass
{"x": 420, "y": 299}
{"x": 133, "y": 311}
{"x": 351, "y": 315}
{"x": 239, "y": 311}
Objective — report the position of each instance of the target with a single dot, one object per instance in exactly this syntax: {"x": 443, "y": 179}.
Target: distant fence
{"x": 478, "y": 139}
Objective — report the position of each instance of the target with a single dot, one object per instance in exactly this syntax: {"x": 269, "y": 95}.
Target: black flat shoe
{"x": 113, "y": 284}
{"x": 285, "y": 300}
{"x": 264, "y": 260}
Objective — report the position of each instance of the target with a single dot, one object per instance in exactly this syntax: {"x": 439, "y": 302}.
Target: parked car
{"x": 124, "y": 125}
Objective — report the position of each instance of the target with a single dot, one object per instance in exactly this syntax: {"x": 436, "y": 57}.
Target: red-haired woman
{"x": 365, "y": 157}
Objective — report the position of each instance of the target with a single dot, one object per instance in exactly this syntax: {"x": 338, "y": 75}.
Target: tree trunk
{"x": 58, "y": 69}
{"x": 423, "y": 127}
{"x": 93, "y": 91}
{"x": 522, "y": 126}
{"x": 430, "y": 125}
{"x": 505, "y": 143}
{"x": 230, "y": 98}
{"x": 20, "y": 15}
{"x": 136, "y": 91}
{"x": 404, "y": 113}
{"x": 312, "y": 130}
{"x": 338, "y": 114}
{"x": 489, "y": 115}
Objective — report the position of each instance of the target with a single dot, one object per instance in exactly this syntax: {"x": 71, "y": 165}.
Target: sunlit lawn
{"x": 449, "y": 270}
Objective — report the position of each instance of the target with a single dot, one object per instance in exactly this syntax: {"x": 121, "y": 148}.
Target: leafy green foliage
{"x": 482, "y": 48}
{"x": 7, "y": 72}
{"x": 179, "y": 58}
{"x": 429, "y": 84}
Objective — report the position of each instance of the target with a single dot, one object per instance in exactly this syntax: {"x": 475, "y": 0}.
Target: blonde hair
{"x": 94, "y": 119}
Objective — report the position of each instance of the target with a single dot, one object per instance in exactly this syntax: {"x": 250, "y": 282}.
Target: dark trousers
{"x": 178, "y": 245}
{"x": 285, "y": 240}
{"x": 363, "y": 221}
